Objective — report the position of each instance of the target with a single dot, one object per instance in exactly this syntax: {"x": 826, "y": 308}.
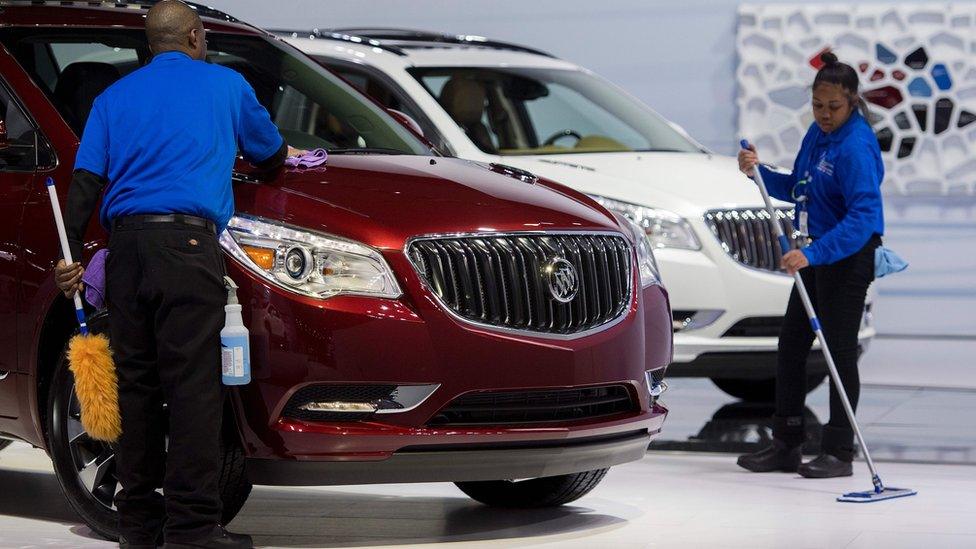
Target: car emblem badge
{"x": 563, "y": 280}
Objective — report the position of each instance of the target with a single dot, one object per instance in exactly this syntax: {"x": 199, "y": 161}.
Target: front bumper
{"x": 451, "y": 464}
{"x": 297, "y": 342}
{"x": 710, "y": 280}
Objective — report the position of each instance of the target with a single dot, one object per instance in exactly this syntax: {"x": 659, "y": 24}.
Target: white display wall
{"x": 917, "y": 64}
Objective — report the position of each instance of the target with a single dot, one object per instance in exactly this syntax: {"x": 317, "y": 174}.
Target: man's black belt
{"x": 131, "y": 220}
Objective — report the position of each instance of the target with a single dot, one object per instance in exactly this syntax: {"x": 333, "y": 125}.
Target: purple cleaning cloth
{"x": 94, "y": 279}
{"x": 310, "y": 159}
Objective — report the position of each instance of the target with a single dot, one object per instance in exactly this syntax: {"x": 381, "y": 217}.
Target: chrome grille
{"x": 500, "y": 280}
{"x": 748, "y": 236}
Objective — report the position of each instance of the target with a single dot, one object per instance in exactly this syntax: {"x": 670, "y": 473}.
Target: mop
{"x": 880, "y": 491}
{"x": 90, "y": 359}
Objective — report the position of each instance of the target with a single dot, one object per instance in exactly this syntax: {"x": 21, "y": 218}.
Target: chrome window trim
{"x": 631, "y": 294}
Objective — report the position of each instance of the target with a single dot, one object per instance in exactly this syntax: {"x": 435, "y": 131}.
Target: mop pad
{"x": 90, "y": 360}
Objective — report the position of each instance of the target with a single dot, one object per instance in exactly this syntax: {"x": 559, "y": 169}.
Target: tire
{"x": 533, "y": 493}
{"x": 760, "y": 390}
{"x": 90, "y": 489}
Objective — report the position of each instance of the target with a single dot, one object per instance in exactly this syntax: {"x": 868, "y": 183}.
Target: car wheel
{"x": 85, "y": 467}
{"x": 760, "y": 390}
{"x": 535, "y": 492}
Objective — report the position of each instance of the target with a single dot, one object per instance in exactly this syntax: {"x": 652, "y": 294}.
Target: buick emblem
{"x": 563, "y": 280}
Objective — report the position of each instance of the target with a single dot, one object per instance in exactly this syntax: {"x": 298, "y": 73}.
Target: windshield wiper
{"x": 365, "y": 150}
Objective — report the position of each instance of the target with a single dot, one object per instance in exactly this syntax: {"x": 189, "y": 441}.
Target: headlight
{"x": 664, "y": 229}
{"x": 308, "y": 263}
{"x": 649, "y": 273}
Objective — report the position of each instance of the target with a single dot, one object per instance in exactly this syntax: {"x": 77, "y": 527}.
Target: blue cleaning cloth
{"x": 887, "y": 262}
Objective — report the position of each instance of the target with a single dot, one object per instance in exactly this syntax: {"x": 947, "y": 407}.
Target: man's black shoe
{"x": 826, "y": 466}
{"x": 778, "y": 457}
{"x": 219, "y": 539}
{"x": 125, "y": 544}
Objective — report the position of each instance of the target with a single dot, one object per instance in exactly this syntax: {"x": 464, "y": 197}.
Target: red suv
{"x": 413, "y": 317}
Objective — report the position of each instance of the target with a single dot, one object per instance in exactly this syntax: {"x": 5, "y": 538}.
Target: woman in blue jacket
{"x": 835, "y": 184}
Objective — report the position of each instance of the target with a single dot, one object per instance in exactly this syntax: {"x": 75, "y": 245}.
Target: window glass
{"x": 18, "y": 151}
{"x": 513, "y": 111}
{"x": 311, "y": 107}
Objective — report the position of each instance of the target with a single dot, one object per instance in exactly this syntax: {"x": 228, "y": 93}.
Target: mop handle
{"x": 52, "y": 191}
{"x": 815, "y": 324}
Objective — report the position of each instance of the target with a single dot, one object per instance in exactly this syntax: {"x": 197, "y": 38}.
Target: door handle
{"x": 4, "y": 374}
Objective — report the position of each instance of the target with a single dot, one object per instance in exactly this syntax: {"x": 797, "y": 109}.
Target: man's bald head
{"x": 172, "y": 25}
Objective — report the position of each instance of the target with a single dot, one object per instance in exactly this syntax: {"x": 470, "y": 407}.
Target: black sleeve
{"x": 274, "y": 161}
{"x": 83, "y": 194}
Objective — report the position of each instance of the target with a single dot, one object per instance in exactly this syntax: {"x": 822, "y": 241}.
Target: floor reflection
{"x": 926, "y": 425}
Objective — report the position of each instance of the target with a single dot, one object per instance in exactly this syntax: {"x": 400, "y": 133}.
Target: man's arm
{"x": 83, "y": 194}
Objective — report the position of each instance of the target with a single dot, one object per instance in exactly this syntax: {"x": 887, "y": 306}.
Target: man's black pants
{"x": 165, "y": 293}
{"x": 838, "y": 292}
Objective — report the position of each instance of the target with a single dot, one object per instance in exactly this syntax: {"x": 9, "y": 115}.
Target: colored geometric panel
{"x": 919, "y": 88}
{"x": 863, "y": 67}
{"x": 884, "y": 55}
{"x": 878, "y": 75}
{"x": 815, "y": 61}
{"x": 885, "y": 137}
{"x": 921, "y": 114}
{"x": 966, "y": 118}
{"x": 943, "y": 114}
{"x": 906, "y": 146}
{"x": 917, "y": 59}
{"x": 941, "y": 76}
{"x": 886, "y": 97}
{"x": 901, "y": 119}
{"x": 899, "y": 75}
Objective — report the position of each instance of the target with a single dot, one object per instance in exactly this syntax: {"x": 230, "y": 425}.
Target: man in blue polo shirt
{"x": 161, "y": 143}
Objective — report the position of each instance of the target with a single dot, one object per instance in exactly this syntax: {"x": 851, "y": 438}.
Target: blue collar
{"x": 840, "y": 133}
{"x": 171, "y": 56}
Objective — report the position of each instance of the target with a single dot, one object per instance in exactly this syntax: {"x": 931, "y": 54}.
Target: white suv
{"x": 503, "y": 103}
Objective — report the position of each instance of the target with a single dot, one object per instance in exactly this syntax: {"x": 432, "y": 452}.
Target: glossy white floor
{"x": 666, "y": 500}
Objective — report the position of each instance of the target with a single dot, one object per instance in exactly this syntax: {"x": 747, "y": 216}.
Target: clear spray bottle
{"x": 235, "y": 348}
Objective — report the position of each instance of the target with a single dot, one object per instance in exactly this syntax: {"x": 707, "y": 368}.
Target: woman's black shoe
{"x": 826, "y": 466}
{"x": 778, "y": 457}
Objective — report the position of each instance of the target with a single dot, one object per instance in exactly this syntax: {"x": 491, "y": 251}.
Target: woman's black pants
{"x": 838, "y": 292}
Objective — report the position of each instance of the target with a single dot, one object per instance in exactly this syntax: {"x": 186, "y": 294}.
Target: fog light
{"x": 339, "y": 407}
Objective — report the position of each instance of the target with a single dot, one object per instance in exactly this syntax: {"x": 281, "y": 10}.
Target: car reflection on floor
{"x": 926, "y": 425}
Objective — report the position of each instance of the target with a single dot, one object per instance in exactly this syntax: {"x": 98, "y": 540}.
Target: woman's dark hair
{"x": 843, "y": 75}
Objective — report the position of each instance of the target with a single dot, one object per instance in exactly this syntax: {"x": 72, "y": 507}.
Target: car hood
{"x": 686, "y": 183}
{"x": 383, "y": 200}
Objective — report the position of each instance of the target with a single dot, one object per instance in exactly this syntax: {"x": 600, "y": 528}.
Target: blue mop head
{"x": 876, "y": 495}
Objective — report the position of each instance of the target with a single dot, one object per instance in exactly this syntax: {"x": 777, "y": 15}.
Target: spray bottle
{"x": 235, "y": 348}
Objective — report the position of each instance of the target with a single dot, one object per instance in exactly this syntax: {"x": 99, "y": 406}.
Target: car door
{"x": 22, "y": 150}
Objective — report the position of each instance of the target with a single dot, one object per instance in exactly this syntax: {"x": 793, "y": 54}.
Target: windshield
{"x": 311, "y": 107}
{"x": 518, "y": 111}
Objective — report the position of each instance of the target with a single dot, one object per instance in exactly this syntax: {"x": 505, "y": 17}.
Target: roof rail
{"x": 395, "y": 40}
{"x": 203, "y": 11}
{"x": 410, "y": 35}
{"x": 339, "y": 35}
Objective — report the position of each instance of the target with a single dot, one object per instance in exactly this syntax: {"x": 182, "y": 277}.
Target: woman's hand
{"x": 794, "y": 260}
{"x": 748, "y": 159}
{"x": 68, "y": 278}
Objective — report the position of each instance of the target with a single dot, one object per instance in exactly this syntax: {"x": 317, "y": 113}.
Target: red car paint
{"x": 381, "y": 201}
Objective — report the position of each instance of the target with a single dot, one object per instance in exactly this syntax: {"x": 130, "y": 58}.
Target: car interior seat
{"x": 78, "y": 86}
{"x": 464, "y": 99}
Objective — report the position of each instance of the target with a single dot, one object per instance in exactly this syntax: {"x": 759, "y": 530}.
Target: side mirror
{"x": 406, "y": 120}
{"x": 4, "y": 143}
